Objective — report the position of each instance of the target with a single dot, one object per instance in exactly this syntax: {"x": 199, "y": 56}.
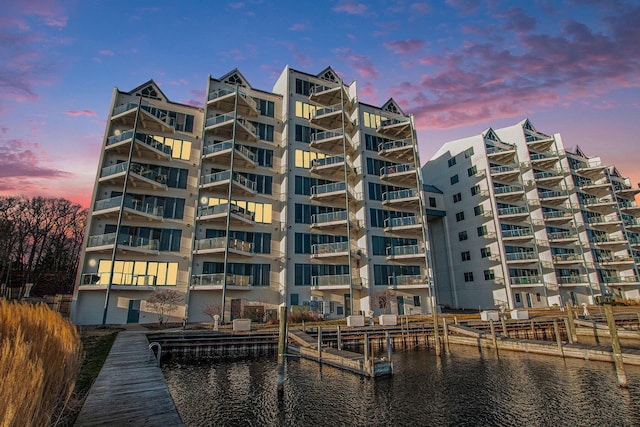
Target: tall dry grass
{"x": 40, "y": 356}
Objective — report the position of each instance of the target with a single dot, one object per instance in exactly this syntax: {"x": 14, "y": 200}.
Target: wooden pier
{"x": 363, "y": 364}
{"x": 130, "y": 389}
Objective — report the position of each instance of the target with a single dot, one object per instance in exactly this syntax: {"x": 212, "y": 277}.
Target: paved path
{"x": 129, "y": 389}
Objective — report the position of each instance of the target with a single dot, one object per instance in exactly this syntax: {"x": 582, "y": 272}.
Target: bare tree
{"x": 385, "y": 298}
{"x": 163, "y": 303}
{"x": 213, "y": 309}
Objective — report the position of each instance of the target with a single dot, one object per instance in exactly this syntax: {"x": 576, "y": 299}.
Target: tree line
{"x": 40, "y": 243}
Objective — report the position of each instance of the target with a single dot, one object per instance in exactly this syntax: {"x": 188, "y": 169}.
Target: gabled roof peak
{"x": 392, "y": 107}
{"x": 151, "y": 90}
{"x": 234, "y": 77}
{"x": 491, "y": 135}
{"x": 329, "y": 75}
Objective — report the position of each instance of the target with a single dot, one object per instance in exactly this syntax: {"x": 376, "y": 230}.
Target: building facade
{"x": 301, "y": 195}
{"x": 531, "y": 224}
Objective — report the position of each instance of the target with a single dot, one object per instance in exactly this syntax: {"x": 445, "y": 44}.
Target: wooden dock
{"x": 130, "y": 389}
{"x": 366, "y": 365}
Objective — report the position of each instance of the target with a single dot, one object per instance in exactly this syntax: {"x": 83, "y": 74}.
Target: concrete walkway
{"x": 130, "y": 390}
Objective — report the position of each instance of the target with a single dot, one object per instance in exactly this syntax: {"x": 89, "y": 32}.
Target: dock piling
{"x": 282, "y": 346}
{"x": 505, "y": 332}
{"x": 615, "y": 344}
{"x": 436, "y": 333}
{"x": 571, "y": 330}
{"x": 367, "y": 356}
{"x": 339, "y": 338}
{"x": 319, "y": 343}
{"x": 445, "y": 332}
{"x": 556, "y": 330}
{"x": 493, "y": 335}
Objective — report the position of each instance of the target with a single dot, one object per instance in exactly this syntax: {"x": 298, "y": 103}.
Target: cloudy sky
{"x": 459, "y": 66}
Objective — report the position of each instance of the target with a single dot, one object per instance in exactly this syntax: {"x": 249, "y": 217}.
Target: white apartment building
{"x": 301, "y": 195}
{"x": 530, "y": 224}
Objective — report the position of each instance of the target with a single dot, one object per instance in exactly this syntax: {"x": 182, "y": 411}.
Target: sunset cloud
{"x": 404, "y": 46}
{"x": 76, "y": 113}
{"x": 351, "y": 7}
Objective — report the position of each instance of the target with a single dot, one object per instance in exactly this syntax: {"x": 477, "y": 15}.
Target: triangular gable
{"x": 491, "y": 135}
{"x": 329, "y": 75}
{"x": 235, "y": 77}
{"x": 149, "y": 90}
{"x": 616, "y": 172}
{"x": 392, "y": 107}
{"x": 526, "y": 124}
{"x": 580, "y": 153}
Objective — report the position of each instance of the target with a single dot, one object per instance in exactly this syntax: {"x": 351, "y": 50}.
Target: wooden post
{"x": 556, "y": 330}
{"x": 445, "y": 332}
{"x": 533, "y": 330}
{"x": 568, "y": 328}
{"x": 638, "y": 314}
{"x": 282, "y": 346}
{"x": 303, "y": 328}
{"x": 366, "y": 352}
{"x": 615, "y": 345}
{"x": 388, "y": 345}
{"x": 505, "y": 332}
{"x": 436, "y": 334}
{"x": 571, "y": 329}
{"x": 339, "y": 335}
{"x": 455, "y": 320}
{"x": 493, "y": 334}
{"x": 319, "y": 343}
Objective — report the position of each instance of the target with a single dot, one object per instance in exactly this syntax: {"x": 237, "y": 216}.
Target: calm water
{"x": 463, "y": 388}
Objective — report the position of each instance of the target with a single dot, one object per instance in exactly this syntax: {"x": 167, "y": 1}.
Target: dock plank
{"x": 130, "y": 389}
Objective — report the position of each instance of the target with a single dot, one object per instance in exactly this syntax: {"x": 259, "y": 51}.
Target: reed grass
{"x": 40, "y": 356}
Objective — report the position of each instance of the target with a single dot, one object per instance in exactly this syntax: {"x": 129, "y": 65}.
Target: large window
{"x": 304, "y": 272}
{"x": 262, "y": 212}
{"x": 261, "y": 241}
{"x": 381, "y": 273}
{"x": 371, "y": 120}
{"x": 258, "y": 273}
{"x": 138, "y": 273}
{"x": 303, "y": 87}
{"x": 180, "y": 149}
{"x": 160, "y": 239}
{"x": 304, "y": 158}
{"x": 304, "y": 213}
{"x": 304, "y": 241}
{"x": 303, "y": 184}
{"x": 264, "y": 131}
{"x": 266, "y": 108}
{"x": 303, "y": 133}
{"x": 305, "y": 110}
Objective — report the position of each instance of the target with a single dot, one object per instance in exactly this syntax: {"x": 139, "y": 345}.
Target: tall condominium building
{"x": 302, "y": 195}
{"x": 530, "y": 224}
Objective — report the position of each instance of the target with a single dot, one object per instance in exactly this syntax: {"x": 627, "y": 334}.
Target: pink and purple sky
{"x": 459, "y": 66}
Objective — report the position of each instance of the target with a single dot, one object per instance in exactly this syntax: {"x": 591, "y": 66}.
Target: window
{"x": 468, "y": 276}
{"x": 266, "y": 108}
{"x": 482, "y": 231}
{"x": 432, "y": 202}
{"x": 454, "y": 179}
{"x": 294, "y": 299}
{"x": 485, "y": 252}
{"x": 452, "y": 161}
{"x": 457, "y": 197}
{"x": 517, "y": 298}
{"x": 305, "y": 110}
{"x": 472, "y": 170}
{"x": 475, "y": 190}
{"x": 538, "y": 296}
{"x": 137, "y": 273}
{"x": 304, "y": 159}
{"x": 303, "y": 133}
{"x": 468, "y": 152}
{"x": 264, "y": 131}
{"x": 460, "y": 216}
{"x": 489, "y": 275}
{"x": 478, "y": 210}
{"x": 303, "y": 87}
{"x": 416, "y": 300}
{"x": 466, "y": 255}
{"x": 462, "y": 236}
{"x": 371, "y": 120}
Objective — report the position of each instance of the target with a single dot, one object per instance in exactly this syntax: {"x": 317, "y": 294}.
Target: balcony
{"x": 567, "y": 258}
{"x": 629, "y": 208}
{"x": 140, "y": 176}
{"x": 224, "y": 99}
{"x": 598, "y": 205}
{"x": 602, "y": 222}
{"x": 145, "y": 146}
{"x": 517, "y": 234}
{"x": 540, "y": 145}
{"x": 126, "y": 243}
{"x": 218, "y": 214}
{"x": 334, "y": 221}
{"x": 509, "y": 173}
{"x": 521, "y": 257}
{"x": 219, "y": 182}
{"x": 403, "y": 175}
{"x": 119, "y": 280}
{"x": 626, "y": 192}
{"x": 543, "y": 160}
{"x": 395, "y": 128}
{"x": 397, "y": 150}
{"x": 632, "y": 224}
{"x": 406, "y": 224}
{"x": 606, "y": 241}
{"x": 221, "y": 152}
{"x": 234, "y": 282}
{"x": 548, "y": 178}
{"x": 620, "y": 280}
{"x": 598, "y": 188}
{"x": 335, "y": 282}
{"x": 614, "y": 261}
{"x": 222, "y": 126}
{"x": 217, "y": 245}
{"x": 334, "y": 192}
{"x": 574, "y": 280}
{"x": 332, "y": 167}
{"x": 329, "y": 95}
{"x": 508, "y": 192}
{"x": 526, "y": 281}
{"x": 332, "y": 142}
{"x": 402, "y": 199}
{"x": 333, "y": 250}
{"x": 407, "y": 252}
{"x": 553, "y": 196}
{"x": 592, "y": 170}
{"x": 513, "y": 213}
{"x": 411, "y": 281}
{"x": 566, "y": 236}
{"x": 330, "y": 117}
{"x": 150, "y": 118}
{"x": 557, "y": 216}
{"x": 503, "y": 155}
{"x": 133, "y": 208}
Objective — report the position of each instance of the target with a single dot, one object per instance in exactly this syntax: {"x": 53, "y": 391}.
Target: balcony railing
{"x": 391, "y": 145}
{"x": 515, "y": 210}
{"x": 550, "y": 194}
{"x": 526, "y": 280}
{"x": 407, "y": 280}
{"x": 140, "y": 137}
{"x": 114, "y": 169}
{"x": 520, "y": 256}
{"x": 332, "y": 217}
{"x": 101, "y": 240}
{"x": 223, "y": 176}
{"x": 400, "y": 194}
{"x": 619, "y": 279}
{"x": 119, "y": 279}
{"x": 501, "y": 169}
{"x": 123, "y": 240}
{"x": 322, "y": 111}
{"x": 330, "y": 248}
{"x": 401, "y": 221}
{"x": 572, "y": 280}
{"x": 335, "y": 280}
{"x": 328, "y": 188}
{"x": 557, "y": 235}
{"x": 592, "y": 202}
{"x": 226, "y": 145}
{"x": 500, "y": 150}
{"x": 326, "y": 161}
{"x": 599, "y": 239}
{"x": 547, "y": 174}
{"x": 567, "y": 257}
{"x": 508, "y": 189}
{"x": 405, "y": 250}
{"x": 224, "y": 208}
{"x": 556, "y": 214}
{"x": 137, "y": 169}
{"x": 390, "y": 170}
{"x": 393, "y": 121}
{"x": 216, "y": 120}
{"x": 217, "y": 279}
{"x": 543, "y": 156}
{"x": 614, "y": 259}
{"x": 518, "y": 232}
{"x": 219, "y": 243}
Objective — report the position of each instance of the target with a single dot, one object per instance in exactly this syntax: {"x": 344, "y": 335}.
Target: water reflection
{"x": 464, "y": 388}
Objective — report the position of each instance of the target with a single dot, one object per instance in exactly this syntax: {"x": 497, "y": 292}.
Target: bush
{"x": 39, "y": 359}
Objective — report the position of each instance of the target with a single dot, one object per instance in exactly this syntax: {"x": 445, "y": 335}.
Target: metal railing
{"x": 401, "y": 221}
{"x": 335, "y": 280}
{"x": 140, "y": 137}
{"x": 405, "y": 250}
{"x": 390, "y": 145}
{"x": 389, "y": 170}
{"x": 220, "y": 242}
{"x": 123, "y": 279}
{"x": 224, "y": 208}
{"x": 326, "y": 161}
{"x": 543, "y": 156}
{"x": 547, "y": 174}
{"x": 571, "y": 280}
{"x": 327, "y": 217}
{"x": 557, "y": 235}
{"x": 101, "y": 240}
{"x": 526, "y": 280}
{"x": 322, "y": 111}
{"x": 393, "y": 121}
{"x": 331, "y": 248}
{"x": 400, "y": 194}
{"x": 515, "y": 210}
{"x": 500, "y": 169}
{"x": 520, "y": 256}
{"x": 517, "y": 232}
{"x": 407, "y": 280}
{"x": 328, "y": 188}
{"x": 556, "y": 214}
{"x": 216, "y": 279}
{"x": 567, "y": 257}
{"x": 223, "y": 176}
{"x": 508, "y": 189}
